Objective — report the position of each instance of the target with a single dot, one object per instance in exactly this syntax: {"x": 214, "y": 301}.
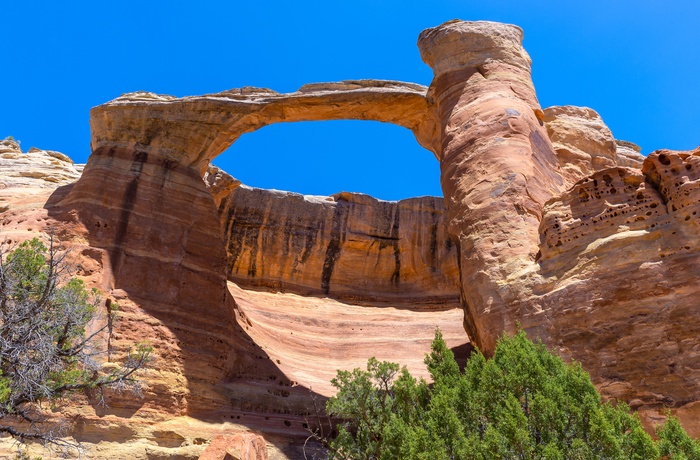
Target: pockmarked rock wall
{"x": 620, "y": 265}
{"x": 548, "y": 222}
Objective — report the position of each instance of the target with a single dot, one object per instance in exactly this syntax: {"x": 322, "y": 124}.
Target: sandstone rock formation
{"x": 628, "y": 154}
{"x": 191, "y": 131}
{"x": 349, "y": 245}
{"x": 582, "y": 142}
{"x": 547, "y": 222}
{"x": 619, "y": 265}
{"x": 241, "y": 446}
{"x": 497, "y": 163}
{"x": 35, "y": 168}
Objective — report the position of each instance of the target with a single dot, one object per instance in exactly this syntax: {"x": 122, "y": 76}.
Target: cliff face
{"x": 346, "y": 246}
{"x": 547, "y": 222}
{"x": 619, "y": 262}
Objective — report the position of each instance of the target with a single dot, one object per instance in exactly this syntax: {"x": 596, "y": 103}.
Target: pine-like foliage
{"x": 523, "y": 403}
{"x": 45, "y": 353}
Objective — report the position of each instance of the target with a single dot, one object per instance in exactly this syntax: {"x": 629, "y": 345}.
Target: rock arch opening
{"x": 324, "y": 158}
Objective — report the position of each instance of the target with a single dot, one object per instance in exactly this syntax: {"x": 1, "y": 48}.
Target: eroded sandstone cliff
{"x": 547, "y": 222}
{"x": 349, "y": 246}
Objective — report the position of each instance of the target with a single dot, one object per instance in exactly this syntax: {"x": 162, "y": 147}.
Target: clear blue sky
{"x": 636, "y": 62}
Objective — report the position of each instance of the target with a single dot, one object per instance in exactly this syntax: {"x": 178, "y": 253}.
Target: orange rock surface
{"x": 348, "y": 245}
{"x": 253, "y": 298}
{"x": 497, "y": 163}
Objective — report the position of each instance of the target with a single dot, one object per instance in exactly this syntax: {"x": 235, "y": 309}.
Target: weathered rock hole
{"x": 664, "y": 160}
{"x": 378, "y": 159}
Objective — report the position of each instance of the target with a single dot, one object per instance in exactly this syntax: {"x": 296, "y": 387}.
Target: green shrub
{"x": 525, "y": 402}
{"x": 44, "y": 352}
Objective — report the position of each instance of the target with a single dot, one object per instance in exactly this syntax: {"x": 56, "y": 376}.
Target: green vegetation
{"x": 524, "y": 403}
{"x": 45, "y": 354}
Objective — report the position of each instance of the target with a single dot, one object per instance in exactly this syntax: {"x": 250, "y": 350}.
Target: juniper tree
{"x": 45, "y": 353}
{"x": 523, "y": 403}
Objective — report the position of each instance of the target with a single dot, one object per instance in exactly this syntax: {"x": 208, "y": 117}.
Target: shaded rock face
{"x": 548, "y": 222}
{"x": 349, "y": 246}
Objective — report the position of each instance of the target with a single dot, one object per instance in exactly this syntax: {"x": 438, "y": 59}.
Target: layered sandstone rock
{"x": 582, "y": 142}
{"x": 629, "y": 155}
{"x": 241, "y": 446}
{"x": 497, "y": 163}
{"x": 579, "y": 292}
{"x": 35, "y": 168}
{"x": 191, "y": 131}
{"x": 620, "y": 263}
{"x": 349, "y": 245}
{"x": 283, "y": 349}
{"x": 220, "y": 184}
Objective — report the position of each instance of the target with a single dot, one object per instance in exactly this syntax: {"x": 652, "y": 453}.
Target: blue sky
{"x": 636, "y": 63}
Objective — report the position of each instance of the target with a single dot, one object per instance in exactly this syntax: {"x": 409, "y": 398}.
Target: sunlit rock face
{"x": 619, "y": 262}
{"x": 35, "y": 168}
{"x": 599, "y": 263}
{"x": 252, "y": 298}
{"x": 584, "y": 144}
{"x": 497, "y": 163}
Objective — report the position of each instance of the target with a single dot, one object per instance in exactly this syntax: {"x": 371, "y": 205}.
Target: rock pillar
{"x": 497, "y": 164}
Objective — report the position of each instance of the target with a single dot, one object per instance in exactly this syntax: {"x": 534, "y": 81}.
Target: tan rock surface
{"x": 620, "y": 266}
{"x": 191, "y": 131}
{"x": 497, "y": 163}
{"x": 349, "y": 245}
{"x": 220, "y": 183}
{"x": 309, "y": 338}
{"x": 629, "y": 155}
{"x": 240, "y": 446}
{"x": 35, "y": 168}
{"x": 582, "y": 142}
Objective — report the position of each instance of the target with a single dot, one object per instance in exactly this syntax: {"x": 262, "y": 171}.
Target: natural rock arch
{"x": 161, "y": 228}
{"x": 194, "y": 130}
{"x": 143, "y": 201}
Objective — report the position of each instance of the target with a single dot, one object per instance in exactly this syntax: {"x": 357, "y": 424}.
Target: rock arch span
{"x": 193, "y": 130}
